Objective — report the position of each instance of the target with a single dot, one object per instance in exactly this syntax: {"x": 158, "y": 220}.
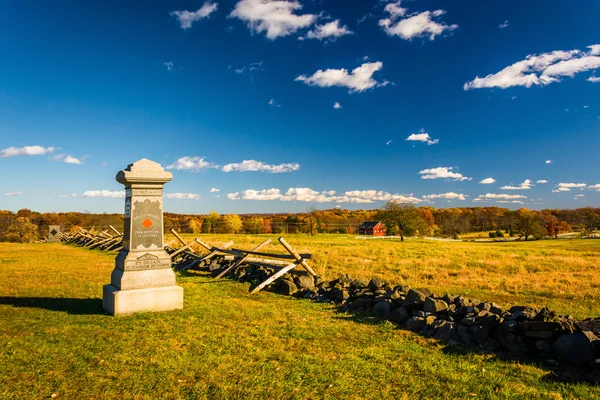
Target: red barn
{"x": 374, "y": 228}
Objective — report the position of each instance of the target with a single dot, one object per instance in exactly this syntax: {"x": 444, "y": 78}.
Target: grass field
{"x": 55, "y": 341}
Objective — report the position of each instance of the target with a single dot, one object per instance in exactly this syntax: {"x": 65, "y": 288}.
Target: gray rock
{"x": 434, "y": 306}
{"x": 512, "y": 342}
{"x": 415, "y": 324}
{"x": 490, "y": 345}
{"x": 592, "y": 325}
{"x": 341, "y": 295}
{"x": 576, "y": 348}
{"x": 480, "y": 332}
{"x": 382, "y": 310}
{"x": 426, "y": 292}
{"x": 285, "y": 286}
{"x": 402, "y": 288}
{"x": 413, "y": 298}
{"x": 304, "y": 282}
{"x": 509, "y": 325}
{"x": 400, "y": 315}
{"x": 544, "y": 346}
{"x": 449, "y": 298}
{"x": 438, "y": 323}
{"x": 430, "y": 319}
{"x": 375, "y": 283}
{"x": 522, "y": 313}
{"x": 344, "y": 280}
{"x": 445, "y": 332}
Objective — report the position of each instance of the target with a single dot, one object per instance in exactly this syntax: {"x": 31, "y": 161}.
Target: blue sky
{"x": 506, "y": 90}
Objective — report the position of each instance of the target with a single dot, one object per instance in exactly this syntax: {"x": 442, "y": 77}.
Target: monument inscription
{"x": 147, "y": 261}
{"x": 146, "y": 225}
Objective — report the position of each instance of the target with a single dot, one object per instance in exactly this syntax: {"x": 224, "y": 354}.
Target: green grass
{"x": 225, "y": 343}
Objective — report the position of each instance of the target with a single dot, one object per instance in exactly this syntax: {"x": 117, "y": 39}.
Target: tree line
{"x": 400, "y": 219}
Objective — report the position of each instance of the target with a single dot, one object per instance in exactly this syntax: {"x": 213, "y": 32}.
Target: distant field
{"x": 561, "y": 274}
{"x": 56, "y": 342}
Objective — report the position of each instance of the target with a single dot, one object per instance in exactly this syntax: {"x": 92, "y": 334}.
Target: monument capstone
{"x": 142, "y": 279}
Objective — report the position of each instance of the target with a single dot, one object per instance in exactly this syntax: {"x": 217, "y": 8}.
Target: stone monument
{"x": 53, "y": 232}
{"x": 142, "y": 279}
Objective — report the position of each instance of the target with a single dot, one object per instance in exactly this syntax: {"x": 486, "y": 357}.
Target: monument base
{"x": 115, "y": 301}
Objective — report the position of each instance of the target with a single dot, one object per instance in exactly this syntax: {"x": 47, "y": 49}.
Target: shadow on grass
{"x": 69, "y": 305}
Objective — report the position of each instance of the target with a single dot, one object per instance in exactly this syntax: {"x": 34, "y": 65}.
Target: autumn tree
{"x": 450, "y": 221}
{"x": 400, "y": 218}
{"x": 210, "y": 223}
{"x": 529, "y": 223}
{"x": 231, "y": 223}
{"x": 312, "y": 220}
{"x": 195, "y": 225}
{"x": 254, "y": 224}
{"x": 21, "y": 231}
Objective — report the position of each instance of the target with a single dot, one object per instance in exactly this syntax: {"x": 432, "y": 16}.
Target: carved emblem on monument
{"x": 146, "y": 224}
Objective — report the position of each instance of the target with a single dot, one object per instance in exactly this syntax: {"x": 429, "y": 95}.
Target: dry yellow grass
{"x": 561, "y": 274}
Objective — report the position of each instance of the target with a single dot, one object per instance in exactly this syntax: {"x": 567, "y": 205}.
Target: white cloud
{"x": 306, "y": 194}
{"x": 500, "y": 196}
{"x": 12, "y": 194}
{"x": 578, "y": 196}
{"x": 416, "y": 25}
{"x": 539, "y": 70}
{"x": 253, "y": 165}
{"x": 594, "y": 79}
{"x": 388, "y": 142}
{"x": 337, "y": 105}
{"x": 566, "y": 187}
{"x": 542, "y": 181}
{"x": 214, "y": 190}
{"x": 422, "y": 137}
{"x": 549, "y": 161}
{"x": 275, "y": 17}
{"x": 72, "y": 160}
{"x": 525, "y": 185}
{"x": 369, "y": 196}
{"x": 104, "y": 193}
{"x": 266, "y": 194}
{"x": 183, "y": 196}
{"x": 326, "y": 196}
{"x": 187, "y": 18}
{"x": 503, "y": 25}
{"x": 25, "y": 151}
{"x": 250, "y": 68}
{"x": 68, "y": 159}
{"x": 359, "y": 80}
{"x": 449, "y": 195}
{"x": 68, "y": 195}
{"x": 191, "y": 164}
{"x": 594, "y": 49}
{"x": 331, "y": 31}
{"x": 169, "y": 65}
{"x": 595, "y": 187}
{"x": 487, "y": 181}
{"x": 517, "y": 202}
{"x": 442, "y": 173}
{"x": 273, "y": 103}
